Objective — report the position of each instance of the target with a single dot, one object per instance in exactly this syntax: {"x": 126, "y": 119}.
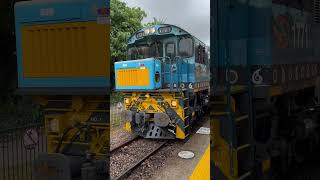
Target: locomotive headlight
{"x": 139, "y": 35}
{"x": 126, "y": 100}
{"x": 152, "y": 30}
{"x": 174, "y": 103}
{"x": 147, "y": 31}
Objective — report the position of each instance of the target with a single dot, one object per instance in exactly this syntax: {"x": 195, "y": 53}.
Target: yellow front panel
{"x": 154, "y": 101}
{"x": 66, "y": 50}
{"x": 133, "y": 77}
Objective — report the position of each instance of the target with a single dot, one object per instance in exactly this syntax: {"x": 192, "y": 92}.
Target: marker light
{"x": 174, "y": 103}
{"x": 152, "y": 30}
{"x": 147, "y": 31}
{"x": 126, "y": 100}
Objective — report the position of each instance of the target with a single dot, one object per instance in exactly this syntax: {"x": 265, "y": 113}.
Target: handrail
{"x": 168, "y": 61}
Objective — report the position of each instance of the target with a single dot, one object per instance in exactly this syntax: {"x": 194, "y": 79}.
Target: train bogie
{"x": 165, "y": 115}
{"x": 155, "y": 115}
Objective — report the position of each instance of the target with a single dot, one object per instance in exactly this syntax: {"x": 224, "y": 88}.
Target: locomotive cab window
{"x": 185, "y": 47}
{"x": 145, "y": 51}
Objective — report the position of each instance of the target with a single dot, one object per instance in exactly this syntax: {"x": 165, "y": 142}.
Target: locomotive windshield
{"x": 145, "y": 51}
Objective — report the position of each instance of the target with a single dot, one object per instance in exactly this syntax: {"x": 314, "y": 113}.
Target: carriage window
{"x": 170, "y": 50}
{"x": 185, "y": 47}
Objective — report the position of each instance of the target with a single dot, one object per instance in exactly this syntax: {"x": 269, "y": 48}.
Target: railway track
{"x": 126, "y": 148}
{"x": 146, "y": 149}
{"x": 124, "y": 144}
{"x": 125, "y": 173}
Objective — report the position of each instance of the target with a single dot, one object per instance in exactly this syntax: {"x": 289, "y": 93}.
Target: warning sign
{"x": 30, "y": 138}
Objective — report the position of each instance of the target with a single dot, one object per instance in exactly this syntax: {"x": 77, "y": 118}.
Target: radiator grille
{"x": 133, "y": 77}
{"x": 64, "y": 50}
{"x": 316, "y": 11}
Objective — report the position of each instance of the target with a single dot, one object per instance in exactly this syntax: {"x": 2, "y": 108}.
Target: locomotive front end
{"x": 63, "y": 64}
{"x": 155, "y": 115}
{"x": 149, "y": 112}
{"x": 164, "y": 82}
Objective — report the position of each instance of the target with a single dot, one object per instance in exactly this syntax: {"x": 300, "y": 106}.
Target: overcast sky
{"x": 191, "y": 15}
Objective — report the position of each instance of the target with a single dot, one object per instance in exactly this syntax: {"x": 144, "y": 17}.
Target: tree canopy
{"x": 125, "y": 21}
{"x": 155, "y": 22}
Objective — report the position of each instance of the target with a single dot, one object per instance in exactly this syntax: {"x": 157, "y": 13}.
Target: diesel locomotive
{"x": 63, "y": 63}
{"x": 265, "y": 87}
{"x": 165, "y": 82}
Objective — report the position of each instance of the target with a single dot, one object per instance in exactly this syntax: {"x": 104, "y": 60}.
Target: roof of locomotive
{"x": 176, "y": 31}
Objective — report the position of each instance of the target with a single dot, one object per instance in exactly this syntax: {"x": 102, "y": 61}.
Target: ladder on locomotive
{"x": 238, "y": 122}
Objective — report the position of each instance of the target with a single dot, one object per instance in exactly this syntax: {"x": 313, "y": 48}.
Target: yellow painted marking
{"x": 266, "y": 165}
{"x": 223, "y": 157}
{"x": 276, "y": 91}
{"x": 180, "y": 134}
{"x": 237, "y": 88}
{"x": 128, "y": 127}
{"x": 202, "y": 170}
{"x": 133, "y": 77}
{"x": 77, "y": 49}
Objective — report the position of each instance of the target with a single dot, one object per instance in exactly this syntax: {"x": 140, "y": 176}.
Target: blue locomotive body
{"x": 276, "y": 40}
{"x": 266, "y": 83}
{"x": 165, "y": 82}
{"x": 183, "y": 59}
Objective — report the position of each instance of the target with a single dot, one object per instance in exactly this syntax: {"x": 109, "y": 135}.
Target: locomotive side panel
{"x": 291, "y": 32}
{"x": 276, "y": 39}
{"x": 62, "y": 45}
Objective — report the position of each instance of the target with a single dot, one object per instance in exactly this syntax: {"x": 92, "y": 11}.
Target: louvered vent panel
{"x": 64, "y": 50}
{"x": 316, "y": 11}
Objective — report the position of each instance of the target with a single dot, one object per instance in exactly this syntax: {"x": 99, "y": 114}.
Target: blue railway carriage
{"x": 165, "y": 81}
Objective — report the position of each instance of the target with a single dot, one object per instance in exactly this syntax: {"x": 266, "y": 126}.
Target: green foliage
{"x": 19, "y": 112}
{"x": 115, "y": 97}
{"x": 155, "y": 22}
{"x": 125, "y": 21}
